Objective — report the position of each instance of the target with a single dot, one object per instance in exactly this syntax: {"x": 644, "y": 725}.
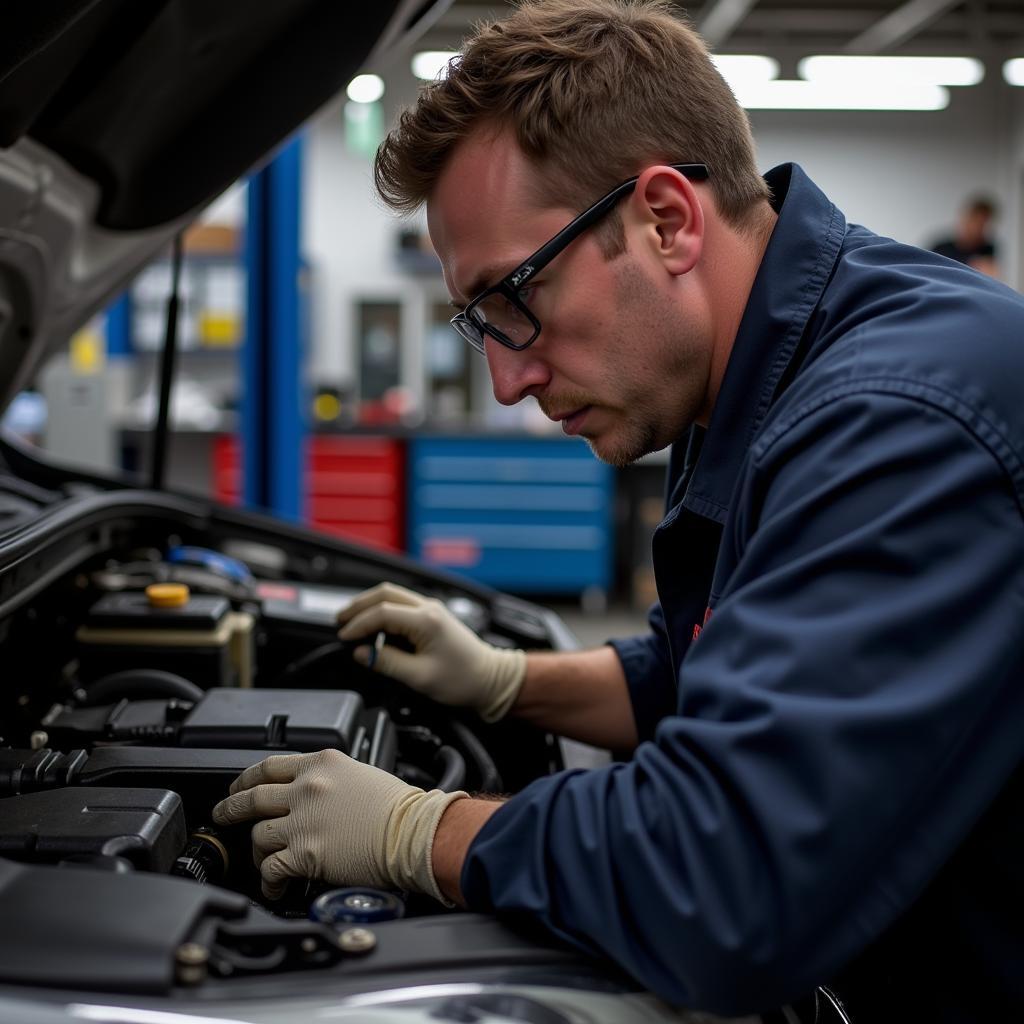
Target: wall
{"x": 901, "y": 174}
{"x": 349, "y": 239}
{"x": 1013, "y": 222}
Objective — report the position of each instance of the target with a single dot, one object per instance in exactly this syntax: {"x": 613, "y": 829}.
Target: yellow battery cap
{"x": 167, "y": 595}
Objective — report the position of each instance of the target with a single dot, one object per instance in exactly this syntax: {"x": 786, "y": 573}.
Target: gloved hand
{"x": 329, "y": 817}
{"x": 449, "y": 663}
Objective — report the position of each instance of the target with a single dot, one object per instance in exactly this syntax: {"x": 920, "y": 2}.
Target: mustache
{"x": 569, "y": 402}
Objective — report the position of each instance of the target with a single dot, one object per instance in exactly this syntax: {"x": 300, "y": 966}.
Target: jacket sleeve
{"x": 848, "y": 712}
{"x": 648, "y": 670}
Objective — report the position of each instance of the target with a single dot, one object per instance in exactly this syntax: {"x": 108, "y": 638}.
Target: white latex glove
{"x": 329, "y": 817}
{"x": 449, "y": 663}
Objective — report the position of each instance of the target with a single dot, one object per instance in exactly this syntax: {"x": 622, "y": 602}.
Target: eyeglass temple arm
{"x": 547, "y": 252}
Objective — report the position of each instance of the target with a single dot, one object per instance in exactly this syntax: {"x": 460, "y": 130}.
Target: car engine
{"x": 141, "y": 682}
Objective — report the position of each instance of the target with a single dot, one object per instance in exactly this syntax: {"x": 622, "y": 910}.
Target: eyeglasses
{"x": 501, "y": 311}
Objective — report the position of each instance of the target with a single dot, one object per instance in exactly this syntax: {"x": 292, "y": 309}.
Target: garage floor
{"x": 594, "y": 628}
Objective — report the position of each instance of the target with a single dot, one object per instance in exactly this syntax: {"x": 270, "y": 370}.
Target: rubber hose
{"x": 141, "y": 684}
{"x": 309, "y": 659}
{"x": 490, "y": 779}
{"x": 454, "y": 775}
{"x": 414, "y": 775}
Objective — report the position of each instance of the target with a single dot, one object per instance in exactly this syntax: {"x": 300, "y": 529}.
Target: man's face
{"x": 976, "y": 225}
{"x": 617, "y": 360}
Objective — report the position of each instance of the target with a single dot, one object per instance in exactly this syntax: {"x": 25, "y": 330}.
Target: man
{"x": 826, "y": 719}
{"x": 972, "y": 244}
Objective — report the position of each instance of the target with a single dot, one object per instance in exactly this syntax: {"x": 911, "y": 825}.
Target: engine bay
{"x": 141, "y": 680}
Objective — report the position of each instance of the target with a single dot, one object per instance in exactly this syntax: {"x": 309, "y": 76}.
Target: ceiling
{"x": 792, "y": 28}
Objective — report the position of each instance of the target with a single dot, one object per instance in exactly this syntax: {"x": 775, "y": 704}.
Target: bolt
{"x": 192, "y": 961}
{"x": 357, "y": 940}
{"x": 362, "y": 901}
{"x": 38, "y": 740}
{"x": 308, "y": 945}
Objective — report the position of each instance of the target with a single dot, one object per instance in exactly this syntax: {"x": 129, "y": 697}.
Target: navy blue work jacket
{"x": 831, "y": 699}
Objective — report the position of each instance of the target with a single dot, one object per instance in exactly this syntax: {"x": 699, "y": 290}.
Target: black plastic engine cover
{"x": 274, "y": 719}
{"x": 145, "y": 826}
{"x": 76, "y": 928}
{"x": 201, "y": 777}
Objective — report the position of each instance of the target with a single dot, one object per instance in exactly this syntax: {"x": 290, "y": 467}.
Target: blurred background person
{"x": 972, "y": 241}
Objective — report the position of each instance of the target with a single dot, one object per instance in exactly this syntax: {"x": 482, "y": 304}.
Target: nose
{"x": 514, "y": 375}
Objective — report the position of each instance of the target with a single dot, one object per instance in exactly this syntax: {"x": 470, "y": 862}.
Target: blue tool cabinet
{"x": 519, "y": 514}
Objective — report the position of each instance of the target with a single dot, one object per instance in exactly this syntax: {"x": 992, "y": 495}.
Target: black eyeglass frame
{"x": 473, "y": 330}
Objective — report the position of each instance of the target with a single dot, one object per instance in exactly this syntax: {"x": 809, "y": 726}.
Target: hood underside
{"x": 120, "y": 121}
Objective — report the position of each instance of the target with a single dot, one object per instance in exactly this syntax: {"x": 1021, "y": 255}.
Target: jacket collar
{"x": 796, "y": 267}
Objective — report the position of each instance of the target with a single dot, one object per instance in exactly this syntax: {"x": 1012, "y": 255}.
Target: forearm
{"x": 456, "y": 830}
{"x": 581, "y": 695}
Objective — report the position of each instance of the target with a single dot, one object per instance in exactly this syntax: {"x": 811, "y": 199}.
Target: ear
{"x": 666, "y": 206}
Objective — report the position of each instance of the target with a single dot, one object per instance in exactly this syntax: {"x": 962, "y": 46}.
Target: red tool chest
{"x": 354, "y": 486}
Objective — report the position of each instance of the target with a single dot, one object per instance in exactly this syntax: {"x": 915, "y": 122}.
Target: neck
{"x": 732, "y": 257}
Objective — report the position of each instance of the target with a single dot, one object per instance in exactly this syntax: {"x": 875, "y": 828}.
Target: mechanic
{"x": 826, "y": 719}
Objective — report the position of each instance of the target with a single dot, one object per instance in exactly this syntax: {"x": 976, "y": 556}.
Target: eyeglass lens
{"x": 469, "y": 330}
{"x": 497, "y": 311}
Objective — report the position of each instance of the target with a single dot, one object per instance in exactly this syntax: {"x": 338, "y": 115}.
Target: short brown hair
{"x": 983, "y": 205}
{"x": 594, "y": 90}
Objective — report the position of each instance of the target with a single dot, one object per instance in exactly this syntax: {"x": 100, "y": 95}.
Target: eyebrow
{"x": 491, "y": 274}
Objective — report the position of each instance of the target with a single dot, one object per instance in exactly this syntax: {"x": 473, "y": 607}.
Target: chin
{"x": 617, "y": 455}
{"x": 624, "y": 447}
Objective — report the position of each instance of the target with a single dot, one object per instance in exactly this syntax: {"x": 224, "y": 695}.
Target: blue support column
{"x": 272, "y": 415}
{"x": 119, "y": 327}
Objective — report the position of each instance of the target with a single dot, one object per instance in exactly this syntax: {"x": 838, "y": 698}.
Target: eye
{"x": 526, "y": 292}
{"x": 524, "y": 295}
{"x": 512, "y": 314}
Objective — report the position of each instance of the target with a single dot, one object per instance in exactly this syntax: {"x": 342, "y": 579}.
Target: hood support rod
{"x": 167, "y": 357}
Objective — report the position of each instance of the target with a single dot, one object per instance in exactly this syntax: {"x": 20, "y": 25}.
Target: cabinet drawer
{"x": 527, "y": 515}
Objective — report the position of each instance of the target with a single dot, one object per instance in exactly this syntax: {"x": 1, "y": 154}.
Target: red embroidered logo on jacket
{"x": 698, "y": 627}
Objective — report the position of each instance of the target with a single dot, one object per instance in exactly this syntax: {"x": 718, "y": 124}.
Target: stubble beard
{"x": 640, "y": 440}
{"x": 654, "y": 375}
{"x": 651, "y": 410}
{"x": 661, "y": 378}
{"x": 618, "y": 454}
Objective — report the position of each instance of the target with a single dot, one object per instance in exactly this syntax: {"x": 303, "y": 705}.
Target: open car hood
{"x": 120, "y": 121}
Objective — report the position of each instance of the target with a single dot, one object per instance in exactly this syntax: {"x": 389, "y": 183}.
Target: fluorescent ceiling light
{"x": 365, "y": 89}
{"x": 432, "y": 64}
{"x": 800, "y": 95}
{"x": 897, "y": 70}
{"x": 745, "y": 69}
{"x": 838, "y": 85}
{"x": 1013, "y": 71}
